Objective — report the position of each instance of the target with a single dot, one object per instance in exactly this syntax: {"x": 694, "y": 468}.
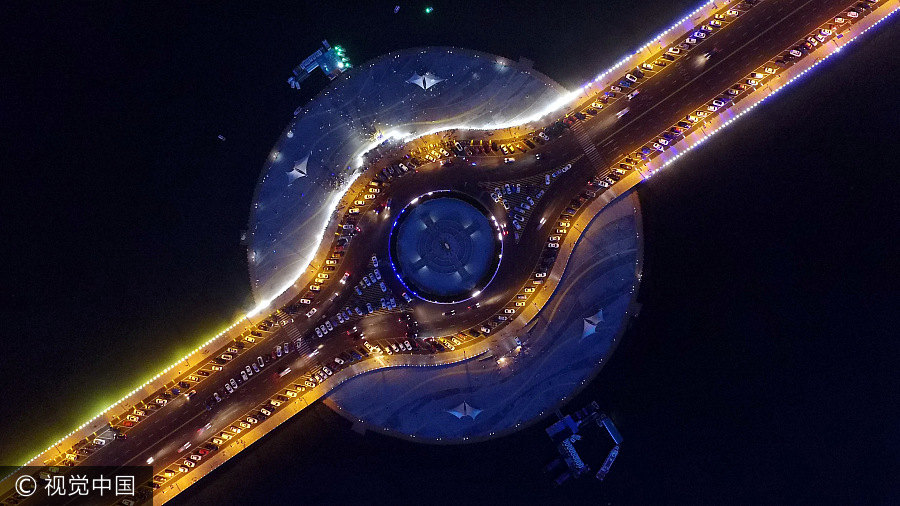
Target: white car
{"x": 338, "y": 361}
{"x": 228, "y": 388}
{"x": 631, "y": 78}
{"x": 318, "y": 332}
{"x": 377, "y": 274}
{"x": 509, "y": 311}
{"x": 674, "y": 50}
{"x": 553, "y": 244}
{"x": 408, "y": 346}
{"x": 382, "y": 286}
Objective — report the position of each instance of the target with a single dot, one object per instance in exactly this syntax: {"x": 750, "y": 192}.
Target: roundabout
{"x": 445, "y": 247}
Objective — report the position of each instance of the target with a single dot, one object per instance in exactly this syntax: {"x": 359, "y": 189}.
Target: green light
{"x": 429, "y": 9}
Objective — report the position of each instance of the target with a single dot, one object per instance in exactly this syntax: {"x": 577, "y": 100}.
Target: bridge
{"x": 645, "y": 113}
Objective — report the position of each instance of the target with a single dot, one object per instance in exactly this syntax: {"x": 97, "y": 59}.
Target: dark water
{"x": 760, "y": 370}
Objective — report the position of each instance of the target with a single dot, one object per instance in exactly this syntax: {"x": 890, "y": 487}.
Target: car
{"x": 632, "y": 94}
{"x": 700, "y": 34}
{"x": 553, "y": 244}
{"x": 715, "y": 23}
{"x": 358, "y": 311}
{"x": 752, "y": 82}
{"x": 353, "y": 210}
{"x": 395, "y": 348}
{"x": 278, "y": 350}
{"x": 189, "y": 463}
{"x": 674, "y": 50}
{"x": 340, "y": 317}
{"x": 382, "y": 286}
{"x": 658, "y": 146}
{"x": 732, "y": 13}
{"x": 329, "y": 326}
{"x": 275, "y": 402}
{"x": 315, "y": 287}
{"x": 319, "y": 332}
{"x": 718, "y": 103}
{"x": 244, "y": 376}
{"x": 554, "y": 238}
{"x": 369, "y": 307}
{"x": 255, "y": 367}
{"x": 631, "y": 78}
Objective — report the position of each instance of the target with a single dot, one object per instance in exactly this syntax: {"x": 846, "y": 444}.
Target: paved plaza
{"x": 563, "y": 347}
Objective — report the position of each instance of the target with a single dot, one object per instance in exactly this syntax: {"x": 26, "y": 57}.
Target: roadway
{"x": 684, "y": 85}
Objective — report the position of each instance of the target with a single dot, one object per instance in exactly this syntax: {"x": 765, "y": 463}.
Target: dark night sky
{"x": 761, "y": 367}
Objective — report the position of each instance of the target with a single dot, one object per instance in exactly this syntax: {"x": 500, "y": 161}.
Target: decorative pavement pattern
{"x": 562, "y": 349}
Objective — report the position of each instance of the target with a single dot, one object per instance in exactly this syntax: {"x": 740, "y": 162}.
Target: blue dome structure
{"x": 445, "y": 247}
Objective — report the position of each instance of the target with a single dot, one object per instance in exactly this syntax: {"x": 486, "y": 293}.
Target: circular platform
{"x": 445, "y": 247}
{"x": 560, "y": 350}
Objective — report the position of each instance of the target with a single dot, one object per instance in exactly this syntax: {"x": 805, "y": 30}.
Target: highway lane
{"x": 684, "y": 85}
{"x": 740, "y": 46}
